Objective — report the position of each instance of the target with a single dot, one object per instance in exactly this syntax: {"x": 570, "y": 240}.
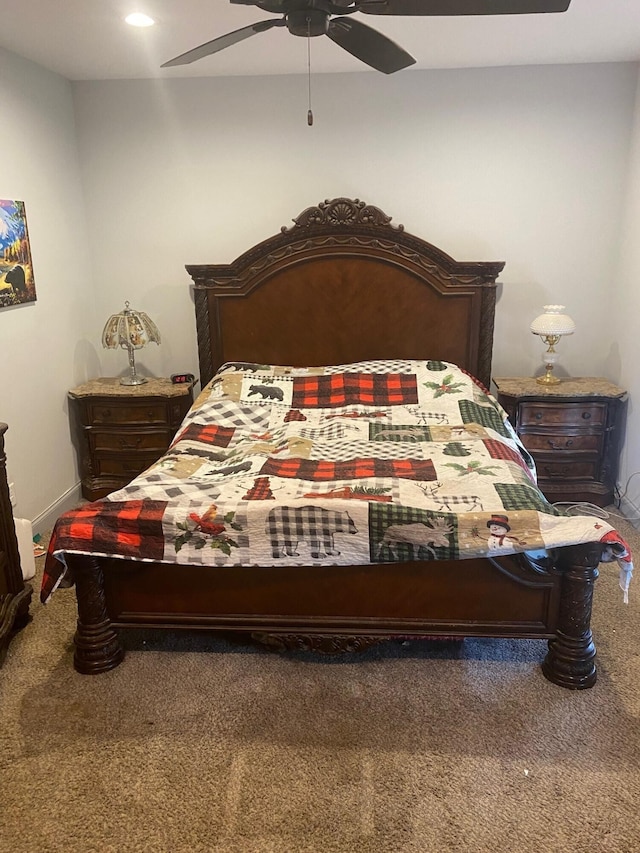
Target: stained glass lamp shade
{"x": 130, "y": 330}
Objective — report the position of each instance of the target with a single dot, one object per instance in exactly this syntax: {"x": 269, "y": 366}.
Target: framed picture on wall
{"x": 17, "y": 284}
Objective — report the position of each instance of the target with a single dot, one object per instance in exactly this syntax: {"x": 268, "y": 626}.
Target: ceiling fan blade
{"x": 223, "y": 41}
{"x": 368, "y": 45}
{"x": 461, "y": 7}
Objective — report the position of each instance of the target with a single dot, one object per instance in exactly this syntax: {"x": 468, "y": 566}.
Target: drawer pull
{"x": 106, "y": 414}
{"x": 586, "y": 415}
{"x": 538, "y": 416}
{"x": 552, "y": 474}
{"x": 557, "y": 445}
{"x": 128, "y": 444}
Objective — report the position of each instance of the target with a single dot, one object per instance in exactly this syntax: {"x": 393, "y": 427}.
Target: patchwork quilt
{"x": 372, "y": 462}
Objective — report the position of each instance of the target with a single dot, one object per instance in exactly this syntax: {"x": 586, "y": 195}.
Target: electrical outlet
{"x": 12, "y": 495}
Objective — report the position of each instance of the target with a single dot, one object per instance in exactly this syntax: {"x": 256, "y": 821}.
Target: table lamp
{"x": 130, "y": 330}
{"x": 551, "y": 326}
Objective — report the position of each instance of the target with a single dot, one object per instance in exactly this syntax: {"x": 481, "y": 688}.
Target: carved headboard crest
{"x": 340, "y": 212}
{"x": 343, "y": 284}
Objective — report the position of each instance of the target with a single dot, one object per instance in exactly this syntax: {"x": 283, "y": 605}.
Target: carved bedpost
{"x": 570, "y": 661}
{"x": 485, "y": 347}
{"x": 205, "y": 351}
{"x": 97, "y": 644}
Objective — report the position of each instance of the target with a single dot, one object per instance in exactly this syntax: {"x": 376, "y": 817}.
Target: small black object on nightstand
{"x": 182, "y": 378}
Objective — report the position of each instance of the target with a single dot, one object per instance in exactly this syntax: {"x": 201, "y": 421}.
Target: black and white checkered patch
{"x": 228, "y": 413}
{"x": 345, "y": 451}
{"x": 374, "y": 366}
{"x": 288, "y": 527}
{"x": 332, "y": 431}
{"x": 155, "y": 486}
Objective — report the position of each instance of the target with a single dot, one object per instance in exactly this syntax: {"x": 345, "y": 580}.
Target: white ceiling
{"x": 88, "y": 39}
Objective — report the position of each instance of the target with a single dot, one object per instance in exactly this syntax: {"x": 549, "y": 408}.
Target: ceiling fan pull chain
{"x": 309, "y": 111}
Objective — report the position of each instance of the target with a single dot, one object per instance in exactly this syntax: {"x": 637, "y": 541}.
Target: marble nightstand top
{"x": 584, "y": 386}
{"x": 109, "y": 386}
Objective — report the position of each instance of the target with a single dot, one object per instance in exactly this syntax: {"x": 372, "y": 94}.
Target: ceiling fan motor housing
{"x": 308, "y": 22}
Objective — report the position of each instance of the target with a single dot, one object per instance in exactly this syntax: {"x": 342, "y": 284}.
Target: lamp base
{"x": 548, "y": 379}
{"x": 133, "y": 380}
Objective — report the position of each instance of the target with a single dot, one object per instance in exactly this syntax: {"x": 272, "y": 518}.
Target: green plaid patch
{"x": 472, "y": 413}
{"x": 518, "y": 496}
{"x": 398, "y": 534}
{"x": 391, "y": 432}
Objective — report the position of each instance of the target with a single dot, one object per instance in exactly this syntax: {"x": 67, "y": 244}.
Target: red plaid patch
{"x": 349, "y": 389}
{"x": 498, "y": 450}
{"x": 127, "y": 528}
{"x": 209, "y": 434}
{"x": 294, "y": 415}
{"x": 475, "y": 380}
{"x": 260, "y": 491}
{"x": 321, "y": 471}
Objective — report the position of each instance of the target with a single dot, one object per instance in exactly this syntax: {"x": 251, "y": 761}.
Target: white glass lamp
{"x": 130, "y": 330}
{"x": 551, "y": 326}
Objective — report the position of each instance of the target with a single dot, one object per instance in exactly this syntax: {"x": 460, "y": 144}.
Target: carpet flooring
{"x": 193, "y": 745}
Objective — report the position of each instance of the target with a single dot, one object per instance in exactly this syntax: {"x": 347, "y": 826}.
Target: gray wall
{"x": 526, "y": 165}
{"x": 42, "y": 344}
{"x": 620, "y": 314}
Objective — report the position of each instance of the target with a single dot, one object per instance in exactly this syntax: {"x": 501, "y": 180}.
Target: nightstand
{"x": 572, "y": 430}
{"x": 124, "y": 429}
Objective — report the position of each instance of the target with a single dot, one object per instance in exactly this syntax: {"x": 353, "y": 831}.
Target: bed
{"x": 341, "y": 293}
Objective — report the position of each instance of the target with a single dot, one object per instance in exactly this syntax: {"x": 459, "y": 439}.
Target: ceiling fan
{"x": 308, "y": 18}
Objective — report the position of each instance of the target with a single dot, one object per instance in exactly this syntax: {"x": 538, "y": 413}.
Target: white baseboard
{"x": 631, "y": 512}
{"x": 44, "y": 522}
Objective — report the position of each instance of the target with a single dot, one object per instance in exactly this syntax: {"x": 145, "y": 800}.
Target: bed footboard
{"x": 570, "y": 661}
{"x": 551, "y": 602}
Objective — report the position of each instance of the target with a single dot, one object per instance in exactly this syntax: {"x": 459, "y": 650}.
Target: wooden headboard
{"x": 343, "y": 284}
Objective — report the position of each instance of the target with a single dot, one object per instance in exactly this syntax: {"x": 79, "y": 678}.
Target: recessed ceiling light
{"x": 139, "y": 19}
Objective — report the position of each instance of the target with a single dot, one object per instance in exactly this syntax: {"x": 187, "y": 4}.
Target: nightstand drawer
{"x": 125, "y": 467}
{"x": 581, "y": 470}
{"x": 586, "y": 415}
{"x": 541, "y": 443}
{"x": 125, "y": 440}
{"x": 127, "y": 413}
